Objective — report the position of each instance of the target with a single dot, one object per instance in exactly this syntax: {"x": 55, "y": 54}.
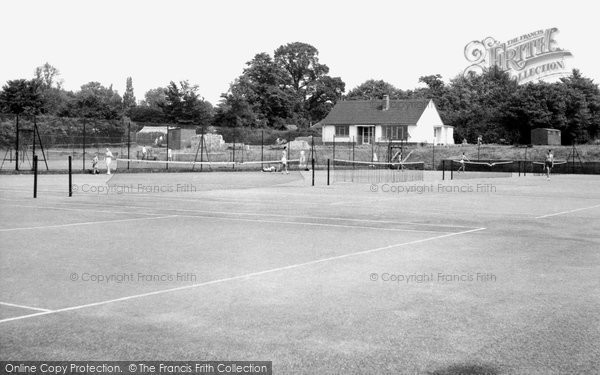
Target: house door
{"x": 366, "y": 134}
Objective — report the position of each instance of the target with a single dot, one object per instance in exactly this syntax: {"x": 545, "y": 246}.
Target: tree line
{"x": 293, "y": 86}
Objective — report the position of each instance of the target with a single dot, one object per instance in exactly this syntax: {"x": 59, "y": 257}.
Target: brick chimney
{"x": 386, "y": 102}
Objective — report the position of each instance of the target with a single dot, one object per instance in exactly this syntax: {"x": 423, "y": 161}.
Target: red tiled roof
{"x": 370, "y": 112}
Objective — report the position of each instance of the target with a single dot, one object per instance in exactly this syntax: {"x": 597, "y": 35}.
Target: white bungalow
{"x": 384, "y": 121}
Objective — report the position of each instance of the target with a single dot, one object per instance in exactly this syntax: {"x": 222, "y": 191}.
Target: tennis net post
{"x": 35, "y": 173}
{"x": 327, "y": 172}
{"x": 443, "y": 169}
{"x": 313, "y": 171}
{"x": 71, "y": 177}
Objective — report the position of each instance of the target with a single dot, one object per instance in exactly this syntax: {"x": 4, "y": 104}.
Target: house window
{"x": 342, "y": 131}
{"x": 394, "y": 132}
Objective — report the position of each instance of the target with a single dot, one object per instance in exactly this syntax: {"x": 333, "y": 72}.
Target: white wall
{"x": 328, "y": 132}
{"x": 423, "y": 132}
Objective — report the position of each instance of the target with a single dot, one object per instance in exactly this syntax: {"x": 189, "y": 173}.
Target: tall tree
{"x": 55, "y": 99}
{"x": 290, "y": 88}
{"x": 155, "y": 98}
{"x": 97, "y": 101}
{"x": 184, "y": 105}
{"x": 21, "y": 96}
{"x": 376, "y": 89}
{"x": 128, "y": 96}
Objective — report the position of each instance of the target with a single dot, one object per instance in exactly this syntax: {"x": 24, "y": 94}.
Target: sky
{"x": 209, "y": 42}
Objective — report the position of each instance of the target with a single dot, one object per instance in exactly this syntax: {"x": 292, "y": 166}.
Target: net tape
{"x": 162, "y": 163}
{"x": 372, "y": 164}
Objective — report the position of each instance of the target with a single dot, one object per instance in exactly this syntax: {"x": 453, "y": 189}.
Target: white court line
{"x": 567, "y": 212}
{"x": 24, "y": 307}
{"x": 245, "y": 276}
{"x": 79, "y": 209}
{"x": 223, "y": 218}
{"x": 280, "y": 215}
{"x": 310, "y": 224}
{"x": 85, "y": 223}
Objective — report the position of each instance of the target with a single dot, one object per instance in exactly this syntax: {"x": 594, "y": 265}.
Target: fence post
{"x": 71, "y": 178}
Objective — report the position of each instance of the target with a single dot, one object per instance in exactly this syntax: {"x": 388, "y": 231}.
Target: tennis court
{"x": 494, "y": 276}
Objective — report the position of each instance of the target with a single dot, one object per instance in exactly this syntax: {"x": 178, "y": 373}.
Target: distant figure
{"x": 169, "y": 155}
{"x": 549, "y": 163}
{"x": 95, "y": 164}
{"x": 480, "y": 140}
{"x": 464, "y": 141}
{"x": 144, "y": 153}
{"x": 284, "y": 166}
{"x": 108, "y": 157}
{"x": 302, "y": 162}
{"x": 462, "y": 160}
{"x": 156, "y": 141}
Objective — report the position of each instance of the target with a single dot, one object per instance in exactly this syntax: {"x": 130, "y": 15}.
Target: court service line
{"x": 567, "y": 212}
{"x": 240, "y": 277}
{"x": 282, "y": 215}
{"x": 302, "y": 222}
{"x": 24, "y": 307}
{"x": 86, "y": 223}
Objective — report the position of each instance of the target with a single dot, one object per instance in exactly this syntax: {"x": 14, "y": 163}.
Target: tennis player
{"x": 549, "y": 164}
{"x": 144, "y": 153}
{"x": 284, "y": 165}
{"x": 462, "y": 160}
{"x": 108, "y": 157}
{"x": 302, "y": 163}
{"x": 95, "y": 164}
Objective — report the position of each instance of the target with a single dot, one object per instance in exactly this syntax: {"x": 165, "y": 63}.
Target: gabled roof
{"x": 370, "y": 112}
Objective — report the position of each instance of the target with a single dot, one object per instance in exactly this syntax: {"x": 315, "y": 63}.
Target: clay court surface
{"x": 338, "y": 279}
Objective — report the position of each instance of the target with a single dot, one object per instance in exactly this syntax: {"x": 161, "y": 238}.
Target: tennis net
{"x": 464, "y": 170}
{"x": 136, "y": 165}
{"x": 376, "y": 172}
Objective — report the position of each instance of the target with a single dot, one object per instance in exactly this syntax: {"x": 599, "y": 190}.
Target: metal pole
{"x": 372, "y": 150}
{"x": 17, "y": 146}
{"x": 573, "y": 152}
{"x": 443, "y": 170}
{"x": 313, "y": 171}
{"x": 328, "y": 172}
{"x": 451, "y": 170}
{"x": 334, "y": 147}
{"x": 33, "y": 148}
{"x": 233, "y": 159}
{"x": 201, "y": 148}
{"x": 433, "y": 157}
{"x": 70, "y": 178}
{"x": 35, "y": 171}
{"x": 128, "y": 142}
{"x": 525, "y": 165}
{"x": 167, "y": 166}
{"x": 262, "y": 142}
{"x": 83, "y": 166}
{"x": 312, "y": 147}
